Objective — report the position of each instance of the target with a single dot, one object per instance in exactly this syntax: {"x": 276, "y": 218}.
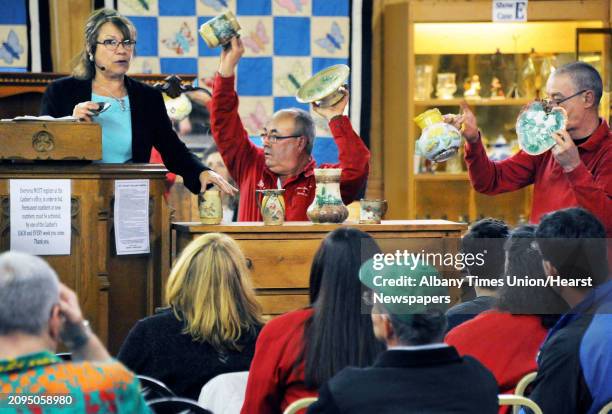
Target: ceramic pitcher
{"x": 327, "y": 206}
{"x": 272, "y": 206}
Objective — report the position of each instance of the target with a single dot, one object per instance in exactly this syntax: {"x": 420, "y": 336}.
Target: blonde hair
{"x": 210, "y": 289}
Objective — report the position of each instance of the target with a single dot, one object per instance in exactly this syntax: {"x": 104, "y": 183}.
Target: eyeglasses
{"x": 113, "y": 44}
{"x": 558, "y": 102}
{"x": 273, "y": 139}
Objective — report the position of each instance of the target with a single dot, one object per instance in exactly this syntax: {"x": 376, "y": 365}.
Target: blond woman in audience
{"x": 212, "y": 323}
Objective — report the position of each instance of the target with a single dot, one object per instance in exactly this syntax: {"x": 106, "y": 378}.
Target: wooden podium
{"x": 115, "y": 291}
{"x": 279, "y": 257}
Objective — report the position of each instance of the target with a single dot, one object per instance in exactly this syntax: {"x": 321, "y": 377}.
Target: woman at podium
{"x": 132, "y": 114}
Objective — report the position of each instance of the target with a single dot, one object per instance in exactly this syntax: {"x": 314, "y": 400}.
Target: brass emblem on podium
{"x": 43, "y": 141}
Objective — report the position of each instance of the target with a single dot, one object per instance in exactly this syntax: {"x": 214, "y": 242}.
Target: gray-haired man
{"x": 37, "y": 313}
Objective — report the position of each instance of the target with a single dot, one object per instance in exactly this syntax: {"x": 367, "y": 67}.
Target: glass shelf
{"x": 472, "y": 102}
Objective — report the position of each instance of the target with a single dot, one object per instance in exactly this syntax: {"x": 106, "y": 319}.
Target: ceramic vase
{"x": 327, "y": 206}
{"x": 272, "y": 206}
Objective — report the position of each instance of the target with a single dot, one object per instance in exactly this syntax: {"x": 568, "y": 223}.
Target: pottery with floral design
{"x": 271, "y": 204}
{"x": 209, "y": 204}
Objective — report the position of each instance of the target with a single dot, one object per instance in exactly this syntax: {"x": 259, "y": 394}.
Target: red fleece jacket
{"x": 245, "y": 161}
{"x": 589, "y": 185}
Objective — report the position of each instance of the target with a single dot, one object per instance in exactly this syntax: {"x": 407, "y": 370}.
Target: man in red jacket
{"x": 285, "y": 160}
{"x": 576, "y": 172}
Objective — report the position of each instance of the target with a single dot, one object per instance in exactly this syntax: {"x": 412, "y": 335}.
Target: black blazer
{"x": 151, "y": 126}
{"x": 404, "y": 382}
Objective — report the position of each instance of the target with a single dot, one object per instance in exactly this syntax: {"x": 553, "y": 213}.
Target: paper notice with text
{"x": 132, "y": 216}
{"x": 40, "y": 216}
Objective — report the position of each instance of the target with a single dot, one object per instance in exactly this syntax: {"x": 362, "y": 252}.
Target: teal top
{"x": 42, "y": 383}
{"x": 116, "y": 123}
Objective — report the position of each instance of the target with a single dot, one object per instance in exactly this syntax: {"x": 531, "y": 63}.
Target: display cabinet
{"x": 451, "y": 52}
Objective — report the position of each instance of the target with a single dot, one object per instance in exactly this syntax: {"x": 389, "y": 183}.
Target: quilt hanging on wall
{"x": 13, "y": 36}
{"x": 286, "y": 42}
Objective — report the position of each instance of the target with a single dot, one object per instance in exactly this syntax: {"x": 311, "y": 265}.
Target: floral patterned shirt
{"x": 42, "y": 383}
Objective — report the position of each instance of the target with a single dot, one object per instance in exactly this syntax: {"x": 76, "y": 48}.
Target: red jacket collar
{"x": 594, "y": 142}
{"x": 307, "y": 171}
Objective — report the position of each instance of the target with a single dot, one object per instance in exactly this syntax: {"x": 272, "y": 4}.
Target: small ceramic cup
{"x": 209, "y": 203}
{"x": 372, "y": 211}
{"x": 220, "y": 30}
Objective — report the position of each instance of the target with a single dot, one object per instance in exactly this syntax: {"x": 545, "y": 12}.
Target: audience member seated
{"x": 297, "y": 352}
{"x": 418, "y": 373}
{"x": 37, "y": 313}
{"x": 518, "y": 325}
{"x": 575, "y": 362}
{"x": 487, "y": 235}
{"x": 211, "y": 326}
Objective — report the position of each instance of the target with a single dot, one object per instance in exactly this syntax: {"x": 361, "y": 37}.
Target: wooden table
{"x": 280, "y": 256}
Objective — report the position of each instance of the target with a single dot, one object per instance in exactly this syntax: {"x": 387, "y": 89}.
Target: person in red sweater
{"x": 298, "y": 352}
{"x": 576, "y": 172}
{"x": 520, "y": 322}
{"x": 285, "y": 159}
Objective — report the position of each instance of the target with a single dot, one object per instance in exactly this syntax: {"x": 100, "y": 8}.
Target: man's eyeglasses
{"x": 557, "y": 101}
{"x": 272, "y": 139}
{"x": 113, "y": 44}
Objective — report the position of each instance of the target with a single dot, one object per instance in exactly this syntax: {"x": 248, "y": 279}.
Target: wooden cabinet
{"x": 280, "y": 257}
{"x": 114, "y": 291}
{"x": 457, "y": 36}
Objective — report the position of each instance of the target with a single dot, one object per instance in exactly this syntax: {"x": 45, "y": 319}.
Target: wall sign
{"x": 510, "y": 11}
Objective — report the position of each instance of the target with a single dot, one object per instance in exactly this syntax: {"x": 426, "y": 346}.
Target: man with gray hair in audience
{"x": 37, "y": 313}
{"x": 418, "y": 373}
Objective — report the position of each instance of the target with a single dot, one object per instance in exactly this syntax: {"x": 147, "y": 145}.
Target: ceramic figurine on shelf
{"x": 497, "y": 90}
{"x": 472, "y": 88}
{"x": 546, "y": 69}
{"x": 446, "y": 86}
{"x": 528, "y": 76}
{"x": 423, "y": 80}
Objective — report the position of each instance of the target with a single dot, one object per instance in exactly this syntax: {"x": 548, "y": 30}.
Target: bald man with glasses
{"x": 575, "y": 172}
{"x": 285, "y": 160}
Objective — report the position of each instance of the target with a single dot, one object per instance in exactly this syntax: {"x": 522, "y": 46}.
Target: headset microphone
{"x": 91, "y": 58}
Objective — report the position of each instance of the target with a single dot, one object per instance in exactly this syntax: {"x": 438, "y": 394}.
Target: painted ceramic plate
{"x": 323, "y": 84}
{"x": 534, "y": 127}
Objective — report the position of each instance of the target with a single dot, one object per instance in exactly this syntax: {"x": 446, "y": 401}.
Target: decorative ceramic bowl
{"x": 535, "y": 125}
{"x": 439, "y": 141}
{"x": 324, "y": 88}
